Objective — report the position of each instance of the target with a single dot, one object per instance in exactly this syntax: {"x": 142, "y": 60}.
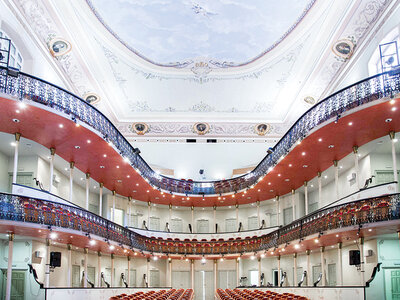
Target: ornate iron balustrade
{"x": 24, "y": 209}
{"x": 28, "y": 87}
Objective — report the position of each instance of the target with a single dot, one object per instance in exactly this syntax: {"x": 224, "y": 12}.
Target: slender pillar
{"x": 295, "y": 269}
{"x": 148, "y": 271}
{"x": 101, "y": 199}
{"x": 395, "y": 176}
{"x": 277, "y": 211}
{"x": 87, "y": 190}
{"x": 309, "y": 282}
{"x": 237, "y": 272}
{"x": 148, "y": 213}
{"x": 237, "y": 215}
{"x": 52, "y": 154}
{"x": 279, "y": 269}
{"x": 340, "y": 265}
{"x": 323, "y": 281}
{"x": 293, "y": 204}
{"x": 356, "y": 168}
{"x": 170, "y": 215}
{"x": 113, "y": 206}
{"x": 71, "y": 179}
{"x": 98, "y": 268}
{"x": 306, "y": 197}
{"x": 335, "y": 165}
{"x": 129, "y": 223}
{"x": 215, "y": 273}
{"x": 259, "y": 271}
{"x": 214, "y": 218}
{"x": 85, "y": 266}
{"x": 258, "y": 214}
{"x": 112, "y": 270}
{"x": 169, "y": 270}
{"x": 192, "y": 209}
{"x": 319, "y": 174}
{"x": 362, "y": 261}
{"x": 129, "y": 270}
{"x": 9, "y": 267}
{"x": 15, "y": 170}
{"x": 69, "y": 266}
{"x": 47, "y": 274}
{"x": 192, "y": 273}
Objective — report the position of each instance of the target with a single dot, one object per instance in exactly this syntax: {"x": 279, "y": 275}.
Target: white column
{"x": 277, "y": 211}
{"x": 15, "y": 170}
{"x": 170, "y": 215}
{"x": 98, "y": 268}
{"x": 336, "y": 166}
{"x": 113, "y": 206}
{"x": 306, "y": 197}
{"x": 259, "y": 271}
{"x": 362, "y": 261}
{"x": 85, "y": 266}
{"x": 129, "y": 270}
{"x": 319, "y": 174}
{"x": 192, "y": 208}
{"x": 340, "y": 268}
{"x": 112, "y": 270}
{"x": 323, "y": 280}
{"x": 279, "y": 269}
{"x": 87, "y": 190}
{"x": 47, "y": 274}
{"x": 69, "y": 265}
{"x": 237, "y": 216}
{"x": 214, "y": 218}
{"x": 295, "y": 269}
{"x": 215, "y": 269}
{"x": 148, "y": 213}
{"x": 258, "y": 214}
{"x": 237, "y": 272}
{"x": 169, "y": 272}
{"x": 52, "y": 154}
{"x": 129, "y": 223}
{"x": 192, "y": 273}
{"x": 356, "y": 168}
{"x": 293, "y": 204}
{"x": 71, "y": 179}
{"x": 9, "y": 266}
{"x": 395, "y": 176}
{"x": 148, "y": 271}
{"x": 101, "y": 199}
{"x": 309, "y": 280}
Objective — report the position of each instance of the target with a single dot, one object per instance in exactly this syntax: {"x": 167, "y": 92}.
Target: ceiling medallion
{"x": 201, "y": 128}
{"x": 140, "y": 128}
{"x": 343, "y": 48}
{"x": 309, "y": 100}
{"x": 262, "y": 129}
{"x": 59, "y": 47}
{"x": 92, "y": 98}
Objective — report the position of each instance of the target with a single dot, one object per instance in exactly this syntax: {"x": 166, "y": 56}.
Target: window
{"x": 176, "y": 225}
{"x": 118, "y": 216}
{"x": 154, "y": 223}
{"x": 230, "y": 225}
{"x": 252, "y": 223}
{"x": 16, "y": 60}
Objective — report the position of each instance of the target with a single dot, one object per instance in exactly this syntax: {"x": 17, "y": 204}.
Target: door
{"x": 299, "y": 275}
{"x": 288, "y": 215}
{"x": 227, "y": 279}
{"x": 119, "y": 216}
{"x": 316, "y": 270}
{"x": 17, "y": 285}
{"x": 154, "y": 278}
{"x": 76, "y": 276}
{"x": 254, "y": 279}
{"x": 22, "y": 179}
{"x": 332, "y": 274}
{"x": 134, "y": 221}
{"x": 252, "y": 223}
{"x": 392, "y": 284}
{"x": 204, "y": 285}
{"x": 176, "y": 225}
{"x": 131, "y": 283}
{"x": 107, "y": 276}
{"x": 203, "y": 226}
{"x": 154, "y": 223}
{"x": 91, "y": 274}
{"x": 181, "y": 279}
{"x": 275, "y": 276}
{"x": 230, "y": 225}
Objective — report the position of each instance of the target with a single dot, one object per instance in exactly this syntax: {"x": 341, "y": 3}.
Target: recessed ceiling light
{"x": 331, "y": 146}
{"x": 287, "y": 179}
{"x": 21, "y": 105}
{"x": 290, "y": 165}
{"x": 17, "y": 111}
{"x": 137, "y": 184}
{"x": 370, "y": 230}
{"x": 77, "y": 147}
{"x": 279, "y": 175}
{"x": 305, "y": 166}
{"x": 104, "y": 155}
{"x": 394, "y": 108}
{"x": 119, "y": 180}
{"x": 128, "y": 176}
{"x": 148, "y": 191}
{"x": 319, "y": 140}
{"x": 112, "y": 247}
{"x": 117, "y": 167}
{"x": 88, "y": 141}
{"x": 259, "y": 190}
{"x": 316, "y": 240}
{"x": 53, "y": 235}
{"x": 271, "y": 191}
{"x": 77, "y": 125}
{"x": 303, "y": 153}
{"x": 92, "y": 242}
{"x": 61, "y": 125}
{"x": 392, "y": 101}
{"x": 269, "y": 183}
{"x": 337, "y": 235}
{"x": 102, "y": 167}
{"x": 350, "y": 123}
{"x": 297, "y": 246}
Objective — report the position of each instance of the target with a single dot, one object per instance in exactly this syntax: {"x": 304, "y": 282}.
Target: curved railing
{"x": 28, "y": 87}
{"x": 24, "y": 209}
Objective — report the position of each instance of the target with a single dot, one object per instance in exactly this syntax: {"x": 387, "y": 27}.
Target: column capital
{"x": 322, "y": 249}
{"x": 148, "y": 203}
{"x": 17, "y": 136}
{"x": 87, "y": 175}
{"x": 52, "y": 151}
{"x": 293, "y": 191}
{"x": 236, "y": 205}
{"x": 214, "y": 207}
{"x": 85, "y": 250}
{"x": 305, "y": 183}
{"x": 335, "y": 162}
{"x": 170, "y": 206}
{"x": 99, "y": 253}
{"x": 295, "y": 255}
{"x": 71, "y": 164}
{"x": 355, "y": 149}
{"x": 392, "y": 135}
{"x": 69, "y": 247}
{"x": 278, "y": 257}
{"x": 340, "y": 245}
{"x": 129, "y": 199}
{"x": 101, "y": 185}
{"x": 308, "y": 251}
{"x": 277, "y": 197}
{"x": 113, "y": 192}
{"x": 128, "y": 258}
{"x": 192, "y": 208}
{"x": 319, "y": 174}
{"x": 192, "y": 261}
{"x": 112, "y": 255}
{"x": 10, "y": 236}
{"x": 258, "y": 202}
{"x": 47, "y": 242}
{"x": 361, "y": 240}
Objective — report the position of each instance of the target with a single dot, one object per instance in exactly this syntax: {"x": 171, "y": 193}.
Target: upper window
{"x": 15, "y": 60}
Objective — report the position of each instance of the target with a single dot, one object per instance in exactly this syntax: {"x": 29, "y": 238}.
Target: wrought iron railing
{"x": 24, "y": 209}
{"x": 30, "y": 88}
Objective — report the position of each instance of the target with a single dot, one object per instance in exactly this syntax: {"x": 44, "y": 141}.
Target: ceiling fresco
{"x": 174, "y": 33}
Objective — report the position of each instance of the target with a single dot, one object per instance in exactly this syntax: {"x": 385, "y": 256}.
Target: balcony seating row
{"x": 171, "y": 294}
{"x": 238, "y": 294}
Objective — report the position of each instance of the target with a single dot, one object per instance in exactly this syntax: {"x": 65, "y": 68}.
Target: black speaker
{"x": 55, "y": 259}
{"x": 354, "y": 257}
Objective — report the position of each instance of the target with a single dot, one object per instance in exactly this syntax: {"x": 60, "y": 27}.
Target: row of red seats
{"x": 171, "y": 294}
{"x": 238, "y": 294}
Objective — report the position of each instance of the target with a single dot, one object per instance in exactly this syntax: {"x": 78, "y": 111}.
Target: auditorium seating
{"x": 171, "y": 294}
{"x": 238, "y": 294}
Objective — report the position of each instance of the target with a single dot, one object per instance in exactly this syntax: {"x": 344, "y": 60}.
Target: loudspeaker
{"x": 354, "y": 257}
{"x": 55, "y": 259}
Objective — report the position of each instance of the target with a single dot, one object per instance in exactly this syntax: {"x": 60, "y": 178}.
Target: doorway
{"x": 275, "y": 277}
{"x": 118, "y": 216}
{"x": 76, "y": 276}
{"x": 154, "y": 278}
{"x": 203, "y": 226}
{"x": 227, "y": 279}
{"x": 181, "y": 279}
{"x": 392, "y": 283}
{"x": 17, "y": 285}
{"x": 204, "y": 285}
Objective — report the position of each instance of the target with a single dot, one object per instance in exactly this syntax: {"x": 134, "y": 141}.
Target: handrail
{"x": 376, "y": 269}
{"x": 29, "y": 87}
{"x": 24, "y": 209}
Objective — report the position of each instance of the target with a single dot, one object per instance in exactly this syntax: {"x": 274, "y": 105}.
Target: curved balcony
{"x": 351, "y": 216}
{"x": 367, "y": 91}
